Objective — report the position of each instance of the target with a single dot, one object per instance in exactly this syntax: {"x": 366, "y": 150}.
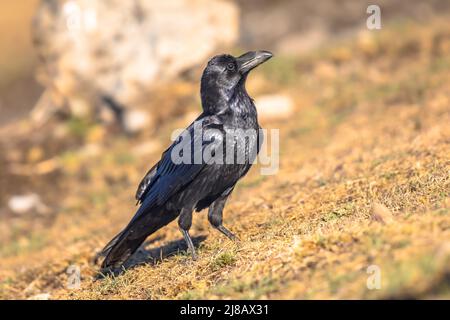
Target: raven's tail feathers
{"x": 123, "y": 245}
{"x": 109, "y": 245}
{"x": 120, "y": 248}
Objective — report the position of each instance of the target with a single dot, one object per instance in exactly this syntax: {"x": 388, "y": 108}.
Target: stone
{"x": 40, "y": 296}
{"x": 90, "y": 49}
{"x": 21, "y": 204}
{"x": 274, "y": 107}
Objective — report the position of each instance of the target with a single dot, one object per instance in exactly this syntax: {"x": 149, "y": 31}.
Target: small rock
{"x": 274, "y": 107}
{"x": 21, "y": 204}
{"x": 40, "y": 296}
{"x": 136, "y": 120}
{"x": 381, "y": 213}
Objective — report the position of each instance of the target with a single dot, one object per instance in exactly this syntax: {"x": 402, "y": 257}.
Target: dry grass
{"x": 364, "y": 180}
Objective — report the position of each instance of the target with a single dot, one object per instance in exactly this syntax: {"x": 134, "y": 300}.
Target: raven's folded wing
{"x": 146, "y": 181}
{"x": 168, "y": 176}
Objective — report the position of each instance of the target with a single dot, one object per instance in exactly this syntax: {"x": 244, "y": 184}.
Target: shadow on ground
{"x": 153, "y": 256}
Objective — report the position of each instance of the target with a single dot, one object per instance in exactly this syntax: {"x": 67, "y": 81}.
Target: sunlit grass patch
{"x": 224, "y": 259}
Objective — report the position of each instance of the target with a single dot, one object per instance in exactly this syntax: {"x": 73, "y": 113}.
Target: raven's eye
{"x": 230, "y": 66}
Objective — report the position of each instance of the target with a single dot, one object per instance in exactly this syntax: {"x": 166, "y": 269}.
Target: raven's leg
{"x": 185, "y": 222}
{"x": 215, "y": 217}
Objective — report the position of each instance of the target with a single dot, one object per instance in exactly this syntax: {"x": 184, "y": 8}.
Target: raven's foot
{"x": 227, "y": 233}
{"x": 189, "y": 243}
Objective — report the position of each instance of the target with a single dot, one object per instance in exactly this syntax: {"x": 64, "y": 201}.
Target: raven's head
{"x": 225, "y": 74}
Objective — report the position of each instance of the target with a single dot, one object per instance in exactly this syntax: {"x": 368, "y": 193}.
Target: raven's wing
{"x": 152, "y": 174}
{"x": 168, "y": 176}
{"x": 147, "y": 180}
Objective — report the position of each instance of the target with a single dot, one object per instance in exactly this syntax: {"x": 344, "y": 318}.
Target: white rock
{"x": 274, "y": 107}
{"x": 136, "y": 120}
{"x": 123, "y": 49}
{"x": 21, "y": 204}
{"x": 40, "y": 296}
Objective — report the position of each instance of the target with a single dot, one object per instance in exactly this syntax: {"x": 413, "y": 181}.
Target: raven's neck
{"x": 241, "y": 111}
{"x": 233, "y": 105}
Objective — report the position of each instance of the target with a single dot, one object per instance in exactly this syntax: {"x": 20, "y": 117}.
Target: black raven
{"x": 175, "y": 188}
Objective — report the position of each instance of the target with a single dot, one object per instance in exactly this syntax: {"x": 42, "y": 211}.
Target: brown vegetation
{"x": 363, "y": 180}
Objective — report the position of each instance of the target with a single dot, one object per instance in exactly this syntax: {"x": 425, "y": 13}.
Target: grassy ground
{"x": 363, "y": 181}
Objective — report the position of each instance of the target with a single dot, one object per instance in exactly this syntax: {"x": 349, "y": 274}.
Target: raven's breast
{"x": 228, "y": 158}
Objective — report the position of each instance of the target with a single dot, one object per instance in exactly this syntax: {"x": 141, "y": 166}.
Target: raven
{"x": 171, "y": 188}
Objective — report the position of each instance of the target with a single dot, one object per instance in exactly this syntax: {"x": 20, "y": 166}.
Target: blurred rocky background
{"x": 115, "y": 60}
{"x": 115, "y": 53}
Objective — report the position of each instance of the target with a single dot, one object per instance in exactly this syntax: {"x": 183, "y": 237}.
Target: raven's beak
{"x": 251, "y": 60}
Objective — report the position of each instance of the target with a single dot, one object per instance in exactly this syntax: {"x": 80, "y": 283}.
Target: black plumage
{"x": 174, "y": 189}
